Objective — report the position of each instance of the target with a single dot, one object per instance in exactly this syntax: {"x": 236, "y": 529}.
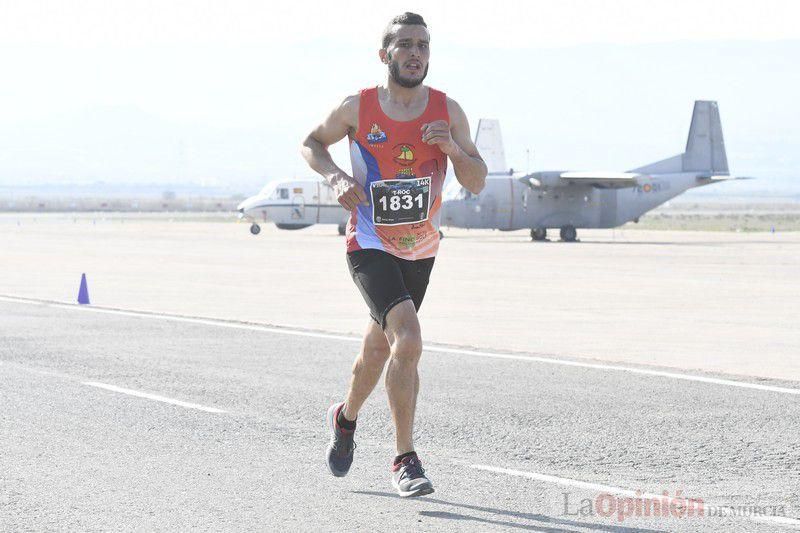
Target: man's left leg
{"x": 402, "y": 386}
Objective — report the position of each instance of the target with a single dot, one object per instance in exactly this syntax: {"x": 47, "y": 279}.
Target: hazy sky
{"x": 164, "y": 91}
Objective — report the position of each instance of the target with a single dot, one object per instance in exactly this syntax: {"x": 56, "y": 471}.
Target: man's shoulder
{"x": 452, "y": 106}
{"x": 451, "y": 103}
{"x": 350, "y": 102}
{"x": 455, "y": 110}
{"x": 348, "y": 109}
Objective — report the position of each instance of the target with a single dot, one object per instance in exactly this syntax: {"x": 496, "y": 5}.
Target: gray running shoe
{"x": 340, "y": 450}
{"x": 408, "y": 478}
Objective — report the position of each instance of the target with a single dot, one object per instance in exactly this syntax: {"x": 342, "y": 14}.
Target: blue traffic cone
{"x": 83, "y": 292}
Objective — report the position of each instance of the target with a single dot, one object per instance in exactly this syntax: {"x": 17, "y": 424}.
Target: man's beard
{"x": 408, "y": 83}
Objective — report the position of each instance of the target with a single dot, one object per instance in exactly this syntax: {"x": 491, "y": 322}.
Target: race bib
{"x": 400, "y": 201}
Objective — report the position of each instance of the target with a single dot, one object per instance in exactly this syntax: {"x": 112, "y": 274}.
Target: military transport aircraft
{"x": 579, "y": 199}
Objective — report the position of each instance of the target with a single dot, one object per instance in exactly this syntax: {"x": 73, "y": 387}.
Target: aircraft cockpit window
{"x": 282, "y": 194}
{"x": 268, "y": 191}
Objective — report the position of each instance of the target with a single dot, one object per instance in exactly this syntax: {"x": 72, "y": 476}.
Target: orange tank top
{"x": 402, "y": 178}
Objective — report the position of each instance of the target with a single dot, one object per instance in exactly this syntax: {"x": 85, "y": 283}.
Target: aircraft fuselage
{"x": 507, "y": 203}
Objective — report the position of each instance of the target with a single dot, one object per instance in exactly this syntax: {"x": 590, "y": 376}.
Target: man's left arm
{"x": 454, "y": 140}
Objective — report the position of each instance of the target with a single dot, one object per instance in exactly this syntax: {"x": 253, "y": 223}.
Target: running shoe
{"x": 408, "y": 478}
{"x": 340, "y": 450}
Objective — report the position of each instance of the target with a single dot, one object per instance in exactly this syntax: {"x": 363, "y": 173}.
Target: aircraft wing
{"x": 723, "y": 177}
{"x": 601, "y": 180}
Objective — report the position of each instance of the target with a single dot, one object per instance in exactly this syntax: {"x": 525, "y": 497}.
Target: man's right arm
{"x": 339, "y": 123}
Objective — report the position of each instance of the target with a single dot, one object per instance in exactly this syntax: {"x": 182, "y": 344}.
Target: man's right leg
{"x": 380, "y": 281}
{"x": 341, "y": 416}
{"x": 367, "y": 369}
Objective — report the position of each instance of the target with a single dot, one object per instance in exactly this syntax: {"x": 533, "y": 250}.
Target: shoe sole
{"x": 413, "y": 493}
{"x": 329, "y": 420}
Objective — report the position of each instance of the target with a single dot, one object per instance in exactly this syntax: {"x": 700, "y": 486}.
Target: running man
{"x": 401, "y": 135}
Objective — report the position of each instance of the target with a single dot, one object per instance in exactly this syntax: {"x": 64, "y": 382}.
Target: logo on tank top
{"x": 376, "y": 135}
{"x": 404, "y": 154}
{"x": 408, "y": 241}
{"x": 405, "y": 173}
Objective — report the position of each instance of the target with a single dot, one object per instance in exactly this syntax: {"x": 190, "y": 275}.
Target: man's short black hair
{"x": 406, "y": 19}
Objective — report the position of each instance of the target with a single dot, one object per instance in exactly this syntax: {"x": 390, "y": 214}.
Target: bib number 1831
{"x": 400, "y": 201}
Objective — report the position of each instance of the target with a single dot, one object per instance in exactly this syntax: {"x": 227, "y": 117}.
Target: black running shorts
{"x": 385, "y": 280}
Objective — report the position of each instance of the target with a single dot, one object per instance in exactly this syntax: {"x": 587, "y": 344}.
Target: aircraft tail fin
{"x": 489, "y": 143}
{"x": 705, "y": 147}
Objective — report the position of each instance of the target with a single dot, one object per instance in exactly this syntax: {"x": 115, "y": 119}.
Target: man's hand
{"x": 348, "y": 192}
{"x": 438, "y": 132}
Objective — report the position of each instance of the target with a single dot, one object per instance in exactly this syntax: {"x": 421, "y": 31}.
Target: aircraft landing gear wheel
{"x": 538, "y": 234}
{"x": 255, "y": 229}
{"x": 568, "y": 234}
{"x": 342, "y": 229}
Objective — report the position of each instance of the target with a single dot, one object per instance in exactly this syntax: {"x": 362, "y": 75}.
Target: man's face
{"x": 408, "y": 54}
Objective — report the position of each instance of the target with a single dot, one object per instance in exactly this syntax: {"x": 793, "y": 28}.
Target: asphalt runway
{"x": 117, "y": 420}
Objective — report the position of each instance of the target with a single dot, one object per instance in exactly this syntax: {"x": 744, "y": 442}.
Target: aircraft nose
{"x": 245, "y": 204}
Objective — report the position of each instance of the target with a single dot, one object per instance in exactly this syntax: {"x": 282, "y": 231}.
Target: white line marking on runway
{"x": 633, "y": 370}
{"x": 710, "y": 510}
{"x": 155, "y": 397}
{"x": 429, "y": 348}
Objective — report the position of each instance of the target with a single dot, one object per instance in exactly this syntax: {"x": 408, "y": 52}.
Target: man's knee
{"x": 403, "y": 332}
{"x": 407, "y": 345}
{"x": 375, "y": 349}
{"x": 406, "y": 342}
{"x": 375, "y": 353}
